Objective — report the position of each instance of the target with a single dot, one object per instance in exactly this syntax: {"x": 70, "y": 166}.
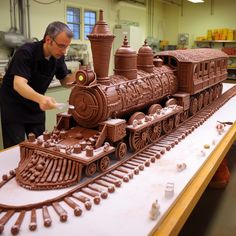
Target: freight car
{"x": 146, "y": 97}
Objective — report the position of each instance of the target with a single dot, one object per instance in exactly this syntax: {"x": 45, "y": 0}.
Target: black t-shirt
{"x": 30, "y": 63}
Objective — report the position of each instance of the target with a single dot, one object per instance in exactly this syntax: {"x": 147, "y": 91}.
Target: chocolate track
{"x": 97, "y": 188}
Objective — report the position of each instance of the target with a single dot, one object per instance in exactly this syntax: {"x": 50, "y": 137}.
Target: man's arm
{"x": 68, "y": 81}
{"x": 21, "y": 86}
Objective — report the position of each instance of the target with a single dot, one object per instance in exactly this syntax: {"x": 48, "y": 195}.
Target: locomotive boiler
{"x": 147, "y": 96}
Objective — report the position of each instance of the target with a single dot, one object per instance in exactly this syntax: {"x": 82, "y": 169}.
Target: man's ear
{"x": 48, "y": 39}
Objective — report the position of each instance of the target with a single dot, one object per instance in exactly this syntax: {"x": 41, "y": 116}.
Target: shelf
{"x": 231, "y": 68}
{"x": 215, "y": 41}
{"x": 232, "y": 56}
{"x": 211, "y": 42}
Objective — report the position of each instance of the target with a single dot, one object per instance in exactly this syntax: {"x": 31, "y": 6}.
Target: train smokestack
{"x": 101, "y": 40}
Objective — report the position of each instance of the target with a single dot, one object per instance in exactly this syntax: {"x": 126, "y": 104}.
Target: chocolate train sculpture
{"x": 146, "y": 98}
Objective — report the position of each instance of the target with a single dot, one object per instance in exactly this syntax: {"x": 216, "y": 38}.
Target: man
{"x": 31, "y": 70}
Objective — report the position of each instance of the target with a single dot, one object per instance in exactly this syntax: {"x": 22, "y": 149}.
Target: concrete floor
{"x": 215, "y": 213}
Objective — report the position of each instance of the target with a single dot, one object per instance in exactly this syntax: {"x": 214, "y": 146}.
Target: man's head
{"x": 57, "y": 39}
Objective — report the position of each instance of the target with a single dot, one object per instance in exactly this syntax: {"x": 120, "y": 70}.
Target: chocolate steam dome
{"x": 145, "y": 58}
{"x": 126, "y": 61}
{"x": 101, "y": 43}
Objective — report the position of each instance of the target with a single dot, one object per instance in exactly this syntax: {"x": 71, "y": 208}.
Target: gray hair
{"x": 56, "y": 28}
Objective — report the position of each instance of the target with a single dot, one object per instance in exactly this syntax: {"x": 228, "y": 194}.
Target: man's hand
{"x": 22, "y": 87}
{"x": 47, "y": 103}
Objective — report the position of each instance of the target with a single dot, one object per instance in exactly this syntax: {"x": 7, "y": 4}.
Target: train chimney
{"x": 126, "y": 61}
{"x": 101, "y": 42}
{"x": 145, "y": 58}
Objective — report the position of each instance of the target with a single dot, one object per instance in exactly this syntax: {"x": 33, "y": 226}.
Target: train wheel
{"x": 138, "y": 140}
{"x": 193, "y": 106}
{"x": 184, "y": 116}
{"x": 206, "y": 98}
{"x": 215, "y": 93}
{"x": 90, "y": 169}
{"x": 220, "y": 89}
{"x": 210, "y": 96}
{"x": 177, "y": 120}
{"x": 136, "y": 116}
{"x": 154, "y": 109}
{"x": 200, "y": 101}
{"x": 155, "y": 132}
{"x": 121, "y": 151}
{"x": 104, "y": 163}
{"x": 168, "y": 125}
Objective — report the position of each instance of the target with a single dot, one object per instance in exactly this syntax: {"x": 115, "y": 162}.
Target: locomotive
{"x": 147, "y": 96}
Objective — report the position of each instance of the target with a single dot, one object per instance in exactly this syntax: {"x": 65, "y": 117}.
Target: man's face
{"x": 57, "y": 46}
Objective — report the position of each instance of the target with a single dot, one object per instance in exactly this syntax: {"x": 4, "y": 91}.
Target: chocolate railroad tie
{"x": 46, "y": 217}
{"x": 147, "y": 156}
{"x": 155, "y": 148}
{"x": 139, "y": 166}
{"x": 126, "y": 171}
{"x": 16, "y": 227}
{"x": 146, "y": 162}
{"x": 174, "y": 140}
{"x": 83, "y": 199}
{"x": 166, "y": 146}
{"x": 149, "y": 152}
{"x": 110, "y": 179}
{"x": 166, "y": 142}
{"x": 91, "y": 193}
{"x": 7, "y": 216}
{"x": 120, "y": 175}
{"x": 174, "y": 137}
{"x": 60, "y": 211}
{"x": 103, "y": 194}
{"x": 77, "y": 210}
{"x": 110, "y": 187}
{"x": 134, "y": 169}
{"x": 187, "y": 131}
{"x": 33, "y": 220}
{"x": 178, "y": 135}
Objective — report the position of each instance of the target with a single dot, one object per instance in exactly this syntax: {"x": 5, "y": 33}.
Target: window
{"x": 89, "y": 22}
{"x": 74, "y": 21}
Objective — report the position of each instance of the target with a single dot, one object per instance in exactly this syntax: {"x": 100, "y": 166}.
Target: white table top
{"x": 126, "y": 211}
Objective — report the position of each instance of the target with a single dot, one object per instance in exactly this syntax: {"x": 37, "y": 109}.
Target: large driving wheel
{"x": 200, "y": 101}
{"x": 138, "y": 140}
{"x": 184, "y": 116}
{"x": 211, "y": 96}
{"x": 220, "y": 88}
{"x": 206, "y": 98}
{"x": 155, "y": 132}
{"x": 121, "y": 150}
{"x": 177, "y": 120}
{"x": 103, "y": 163}
{"x": 90, "y": 169}
{"x": 168, "y": 125}
{"x": 193, "y": 106}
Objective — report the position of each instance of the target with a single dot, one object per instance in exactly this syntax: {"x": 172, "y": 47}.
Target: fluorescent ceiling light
{"x": 196, "y": 1}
